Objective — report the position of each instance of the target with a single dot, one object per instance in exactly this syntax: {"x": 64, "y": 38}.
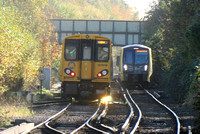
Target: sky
{"x": 141, "y": 5}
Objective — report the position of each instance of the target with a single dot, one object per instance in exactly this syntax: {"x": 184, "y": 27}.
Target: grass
{"x": 18, "y": 107}
{"x": 46, "y": 94}
{"x": 12, "y": 107}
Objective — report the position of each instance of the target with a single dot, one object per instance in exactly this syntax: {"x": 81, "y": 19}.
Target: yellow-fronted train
{"x": 135, "y": 65}
{"x": 85, "y": 67}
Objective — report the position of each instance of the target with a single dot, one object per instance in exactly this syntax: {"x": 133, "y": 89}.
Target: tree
{"x": 171, "y": 36}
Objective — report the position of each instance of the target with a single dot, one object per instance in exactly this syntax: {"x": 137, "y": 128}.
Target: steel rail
{"x": 174, "y": 114}
{"x": 53, "y": 129}
{"x": 44, "y": 105}
{"x": 113, "y": 129}
{"x": 103, "y": 114}
{"x": 127, "y": 122}
{"x": 96, "y": 129}
{"x": 52, "y": 117}
{"x": 47, "y": 102}
{"x": 87, "y": 122}
{"x": 139, "y": 112}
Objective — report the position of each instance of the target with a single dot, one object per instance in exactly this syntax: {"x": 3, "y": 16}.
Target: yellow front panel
{"x": 74, "y": 66}
{"x": 86, "y": 70}
{"x": 99, "y": 66}
{"x": 121, "y": 72}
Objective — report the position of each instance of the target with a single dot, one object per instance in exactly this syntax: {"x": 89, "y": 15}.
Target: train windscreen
{"x": 128, "y": 57}
{"x": 141, "y": 57}
{"x": 71, "y": 49}
{"x": 102, "y": 49}
{"x": 102, "y": 53}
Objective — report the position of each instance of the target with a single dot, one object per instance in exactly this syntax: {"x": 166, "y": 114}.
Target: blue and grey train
{"x": 135, "y": 65}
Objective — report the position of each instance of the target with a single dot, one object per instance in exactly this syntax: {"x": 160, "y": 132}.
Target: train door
{"x": 86, "y": 62}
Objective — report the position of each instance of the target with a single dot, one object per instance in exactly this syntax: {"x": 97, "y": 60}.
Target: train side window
{"x": 102, "y": 53}
{"x": 71, "y": 52}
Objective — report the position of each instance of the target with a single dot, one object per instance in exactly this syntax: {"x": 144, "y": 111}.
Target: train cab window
{"x": 141, "y": 57}
{"x": 128, "y": 55}
{"x": 102, "y": 53}
{"x": 70, "y": 52}
{"x": 87, "y": 52}
{"x": 71, "y": 49}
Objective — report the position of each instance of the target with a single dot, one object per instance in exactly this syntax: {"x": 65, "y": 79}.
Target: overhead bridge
{"x": 120, "y": 32}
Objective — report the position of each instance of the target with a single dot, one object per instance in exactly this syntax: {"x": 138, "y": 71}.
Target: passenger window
{"x": 103, "y": 53}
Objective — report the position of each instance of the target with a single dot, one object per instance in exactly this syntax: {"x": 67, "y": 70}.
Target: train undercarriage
{"x": 85, "y": 90}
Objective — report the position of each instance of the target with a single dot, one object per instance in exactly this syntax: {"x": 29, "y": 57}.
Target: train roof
{"x": 136, "y": 45}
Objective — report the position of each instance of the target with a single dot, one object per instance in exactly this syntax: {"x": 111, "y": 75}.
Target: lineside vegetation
{"x": 173, "y": 33}
{"x": 28, "y": 40}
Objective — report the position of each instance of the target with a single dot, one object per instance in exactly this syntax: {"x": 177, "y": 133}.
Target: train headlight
{"x": 67, "y": 71}
{"x": 70, "y": 72}
{"x": 125, "y": 67}
{"x": 145, "y": 67}
{"x": 102, "y": 73}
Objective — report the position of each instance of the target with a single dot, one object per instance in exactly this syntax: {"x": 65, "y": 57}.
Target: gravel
{"x": 77, "y": 114}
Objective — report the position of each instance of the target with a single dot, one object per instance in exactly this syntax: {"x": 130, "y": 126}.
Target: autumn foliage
{"x": 27, "y": 43}
{"x": 93, "y": 9}
{"x": 28, "y": 40}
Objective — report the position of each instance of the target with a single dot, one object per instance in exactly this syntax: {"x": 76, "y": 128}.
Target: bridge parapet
{"x": 120, "y": 32}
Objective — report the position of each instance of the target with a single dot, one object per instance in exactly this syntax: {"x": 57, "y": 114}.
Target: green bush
{"x": 172, "y": 31}
{"x": 19, "y": 60}
{"x": 26, "y": 35}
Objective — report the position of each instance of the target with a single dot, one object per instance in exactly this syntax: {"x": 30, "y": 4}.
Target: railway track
{"x": 157, "y": 117}
{"x": 126, "y": 128}
{"x": 137, "y": 112}
{"x": 95, "y": 122}
{"x": 150, "y": 115}
{"x": 48, "y": 103}
{"x": 64, "y": 121}
{"x": 89, "y": 124}
{"x": 50, "y": 129}
{"x": 117, "y": 117}
{"x": 99, "y": 122}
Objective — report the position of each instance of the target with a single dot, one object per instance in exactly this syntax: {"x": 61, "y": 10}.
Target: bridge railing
{"x": 120, "y": 32}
